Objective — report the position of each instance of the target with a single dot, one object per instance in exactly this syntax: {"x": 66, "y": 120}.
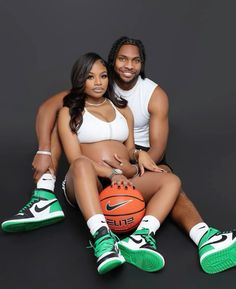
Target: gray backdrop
{"x": 190, "y": 49}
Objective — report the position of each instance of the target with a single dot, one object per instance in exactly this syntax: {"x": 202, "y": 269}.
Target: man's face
{"x": 127, "y": 64}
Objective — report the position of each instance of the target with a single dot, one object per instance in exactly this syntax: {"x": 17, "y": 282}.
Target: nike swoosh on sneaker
{"x": 113, "y": 207}
{"x": 135, "y": 240}
{"x": 202, "y": 227}
{"x": 40, "y": 209}
{"x": 222, "y": 239}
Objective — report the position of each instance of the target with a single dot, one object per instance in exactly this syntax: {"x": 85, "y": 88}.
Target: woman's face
{"x": 97, "y": 81}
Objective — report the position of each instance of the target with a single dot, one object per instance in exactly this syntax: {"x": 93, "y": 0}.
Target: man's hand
{"x": 119, "y": 163}
{"x": 41, "y": 164}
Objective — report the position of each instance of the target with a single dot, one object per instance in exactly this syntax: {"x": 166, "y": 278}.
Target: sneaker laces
{"x": 29, "y": 204}
{"x": 100, "y": 247}
{"x": 144, "y": 233}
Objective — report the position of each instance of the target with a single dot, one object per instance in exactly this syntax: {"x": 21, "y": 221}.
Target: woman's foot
{"x": 106, "y": 250}
{"x": 140, "y": 250}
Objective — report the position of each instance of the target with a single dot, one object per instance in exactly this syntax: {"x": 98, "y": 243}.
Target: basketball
{"x": 123, "y": 208}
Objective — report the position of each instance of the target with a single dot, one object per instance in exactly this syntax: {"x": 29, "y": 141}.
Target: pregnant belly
{"x": 104, "y": 150}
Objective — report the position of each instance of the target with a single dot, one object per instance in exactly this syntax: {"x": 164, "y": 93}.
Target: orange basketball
{"x": 123, "y": 208}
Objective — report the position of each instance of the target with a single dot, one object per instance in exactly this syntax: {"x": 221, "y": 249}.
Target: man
{"x": 149, "y": 104}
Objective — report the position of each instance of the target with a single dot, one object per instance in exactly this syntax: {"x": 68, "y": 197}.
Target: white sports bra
{"x": 94, "y": 129}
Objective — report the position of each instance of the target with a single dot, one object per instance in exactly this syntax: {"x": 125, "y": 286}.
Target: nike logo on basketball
{"x": 40, "y": 209}
{"x": 113, "y": 207}
{"x": 222, "y": 239}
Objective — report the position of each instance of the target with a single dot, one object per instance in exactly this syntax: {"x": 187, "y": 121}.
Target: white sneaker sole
{"x": 145, "y": 259}
{"x": 20, "y": 225}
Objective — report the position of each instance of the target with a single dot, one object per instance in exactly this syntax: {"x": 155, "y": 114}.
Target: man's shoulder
{"x": 57, "y": 98}
{"x": 148, "y": 88}
{"x": 62, "y": 93}
{"x": 159, "y": 91}
{"x": 159, "y": 100}
{"x": 148, "y": 81}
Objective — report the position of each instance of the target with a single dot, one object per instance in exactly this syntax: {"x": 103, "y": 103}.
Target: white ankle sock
{"x": 149, "y": 222}
{"x": 96, "y": 222}
{"x": 198, "y": 231}
{"x": 46, "y": 182}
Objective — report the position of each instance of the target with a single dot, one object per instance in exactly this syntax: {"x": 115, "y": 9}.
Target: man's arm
{"x": 46, "y": 117}
{"x": 45, "y": 122}
{"x": 158, "y": 108}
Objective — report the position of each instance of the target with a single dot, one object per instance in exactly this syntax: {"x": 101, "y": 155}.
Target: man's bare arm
{"x": 45, "y": 122}
{"x": 46, "y": 118}
{"x": 159, "y": 124}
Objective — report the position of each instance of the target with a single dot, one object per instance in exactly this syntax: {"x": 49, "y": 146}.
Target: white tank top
{"x": 94, "y": 129}
{"x": 138, "y": 99}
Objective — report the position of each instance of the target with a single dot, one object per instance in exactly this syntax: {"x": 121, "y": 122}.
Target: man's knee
{"x": 176, "y": 181}
{"x": 166, "y": 168}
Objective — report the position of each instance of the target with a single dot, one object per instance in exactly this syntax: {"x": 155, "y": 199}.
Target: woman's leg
{"x": 160, "y": 191}
{"x": 83, "y": 188}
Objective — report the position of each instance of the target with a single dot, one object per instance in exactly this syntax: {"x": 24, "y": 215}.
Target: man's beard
{"x": 127, "y": 82}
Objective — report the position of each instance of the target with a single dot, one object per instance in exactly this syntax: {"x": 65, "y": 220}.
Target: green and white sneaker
{"x": 140, "y": 250}
{"x": 106, "y": 250}
{"x": 217, "y": 250}
{"x": 42, "y": 209}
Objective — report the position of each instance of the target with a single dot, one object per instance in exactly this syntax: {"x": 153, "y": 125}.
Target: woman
{"x": 94, "y": 127}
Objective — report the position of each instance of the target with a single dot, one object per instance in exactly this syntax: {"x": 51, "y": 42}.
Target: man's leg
{"x": 43, "y": 208}
{"x": 184, "y": 213}
{"x": 217, "y": 250}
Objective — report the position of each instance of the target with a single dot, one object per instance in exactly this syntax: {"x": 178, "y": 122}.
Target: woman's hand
{"x": 41, "y": 164}
{"x": 120, "y": 163}
{"x": 146, "y": 162}
{"x": 120, "y": 180}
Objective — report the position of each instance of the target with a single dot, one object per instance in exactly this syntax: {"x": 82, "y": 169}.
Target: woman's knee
{"x": 81, "y": 164}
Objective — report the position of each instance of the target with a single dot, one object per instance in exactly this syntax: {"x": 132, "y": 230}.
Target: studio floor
{"x": 57, "y": 257}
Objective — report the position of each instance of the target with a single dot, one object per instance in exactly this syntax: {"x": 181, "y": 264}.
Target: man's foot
{"x": 140, "y": 250}
{"x": 107, "y": 251}
{"x": 217, "y": 250}
{"x": 42, "y": 209}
